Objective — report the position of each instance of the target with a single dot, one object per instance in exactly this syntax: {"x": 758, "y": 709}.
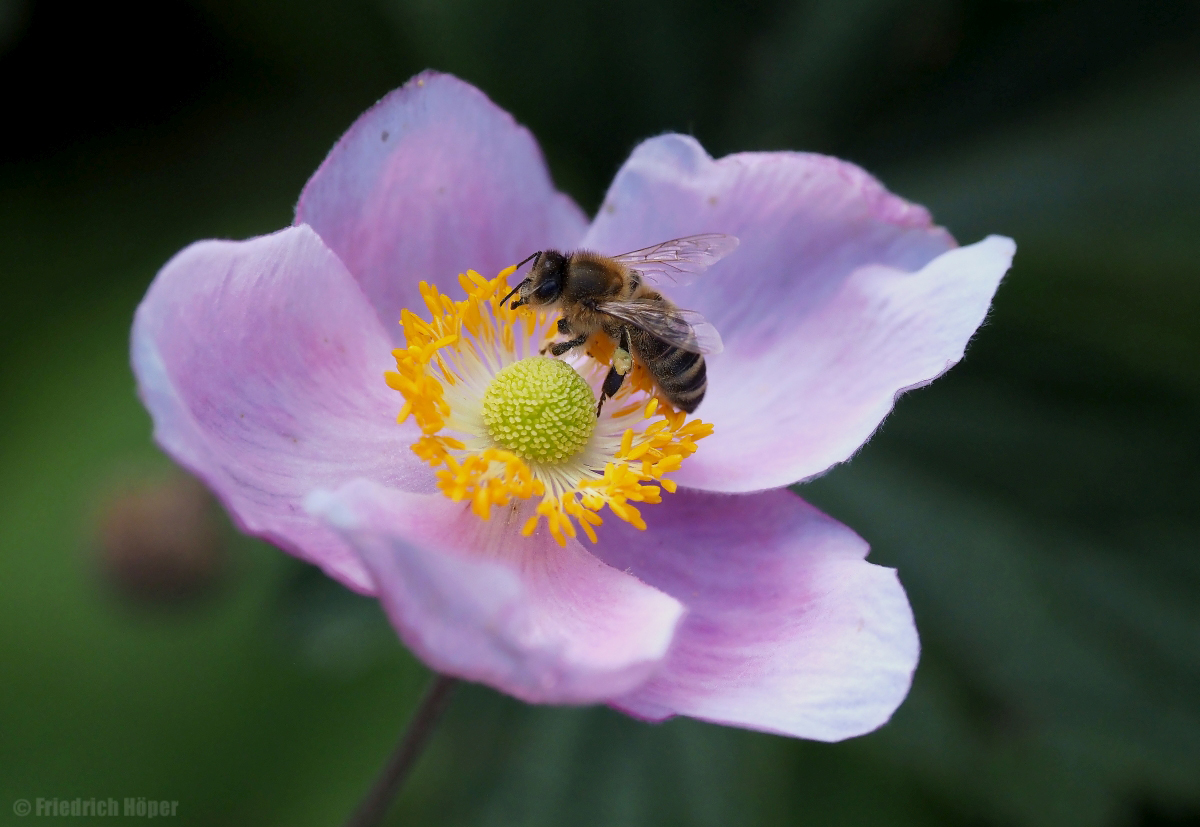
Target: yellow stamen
{"x": 487, "y": 455}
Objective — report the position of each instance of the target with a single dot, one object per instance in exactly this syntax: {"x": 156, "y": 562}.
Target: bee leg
{"x": 622, "y": 364}
{"x": 623, "y": 356}
{"x": 564, "y": 328}
{"x": 612, "y": 383}
{"x": 622, "y": 361}
{"x": 559, "y": 348}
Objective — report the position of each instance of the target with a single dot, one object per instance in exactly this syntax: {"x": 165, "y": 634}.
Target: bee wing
{"x": 686, "y": 329}
{"x": 679, "y": 260}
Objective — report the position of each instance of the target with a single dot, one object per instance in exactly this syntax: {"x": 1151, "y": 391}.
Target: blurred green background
{"x": 1040, "y": 501}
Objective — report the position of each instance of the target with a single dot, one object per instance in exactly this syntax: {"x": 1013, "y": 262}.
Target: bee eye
{"x": 546, "y": 291}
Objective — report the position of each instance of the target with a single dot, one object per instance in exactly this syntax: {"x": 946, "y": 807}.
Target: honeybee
{"x": 611, "y": 295}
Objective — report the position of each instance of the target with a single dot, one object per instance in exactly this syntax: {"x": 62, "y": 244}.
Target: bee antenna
{"x": 504, "y": 300}
{"x": 530, "y": 258}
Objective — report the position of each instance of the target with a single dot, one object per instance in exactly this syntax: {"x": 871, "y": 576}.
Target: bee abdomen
{"x": 681, "y": 375}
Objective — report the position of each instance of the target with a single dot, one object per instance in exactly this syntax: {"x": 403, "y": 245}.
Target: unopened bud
{"x": 161, "y": 541}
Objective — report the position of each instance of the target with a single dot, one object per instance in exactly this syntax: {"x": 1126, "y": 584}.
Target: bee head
{"x": 544, "y": 284}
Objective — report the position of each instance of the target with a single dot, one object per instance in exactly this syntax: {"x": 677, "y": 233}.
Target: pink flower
{"x": 262, "y": 363}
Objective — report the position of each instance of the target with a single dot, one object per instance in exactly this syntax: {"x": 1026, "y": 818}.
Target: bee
{"x": 612, "y": 295}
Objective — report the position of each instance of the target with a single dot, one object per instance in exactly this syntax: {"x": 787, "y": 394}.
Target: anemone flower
{"x": 646, "y": 559}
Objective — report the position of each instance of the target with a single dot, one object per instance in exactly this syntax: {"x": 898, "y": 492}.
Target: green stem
{"x": 376, "y": 803}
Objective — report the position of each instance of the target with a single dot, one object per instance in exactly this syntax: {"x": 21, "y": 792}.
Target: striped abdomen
{"x": 679, "y": 374}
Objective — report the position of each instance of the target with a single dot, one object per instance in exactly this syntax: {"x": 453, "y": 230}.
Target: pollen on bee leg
{"x": 500, "y": 425}
{"x": 622, "y": 361}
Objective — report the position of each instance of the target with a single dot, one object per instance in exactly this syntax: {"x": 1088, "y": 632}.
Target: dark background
{"x": 1040, "y": 501}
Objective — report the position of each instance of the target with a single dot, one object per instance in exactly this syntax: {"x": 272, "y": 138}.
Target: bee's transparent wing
{"x": 686, "y": 329}
{"x": 679, "y": 260}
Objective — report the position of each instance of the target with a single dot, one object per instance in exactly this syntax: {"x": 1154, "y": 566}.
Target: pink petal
{"x": 434, "y": 180}
{"x": 475, "y": 599}
{"x": 262, "y": 364}
{"x": 840, "y": 296}
{"x": 788, "y": 630}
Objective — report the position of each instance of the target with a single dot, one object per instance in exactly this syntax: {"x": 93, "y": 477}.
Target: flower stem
{"x": 375, "y": 805}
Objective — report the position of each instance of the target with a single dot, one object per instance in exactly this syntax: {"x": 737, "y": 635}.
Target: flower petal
{"x": 261, "y": 363}
{"x": 475, "y": 599}
{"x": 789, "y": 630}
{"x": 434, "y": 180}
{"x": 840, "y": 296}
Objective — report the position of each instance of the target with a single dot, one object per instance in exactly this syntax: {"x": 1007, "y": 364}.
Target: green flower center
{"x": 540, "y": 409}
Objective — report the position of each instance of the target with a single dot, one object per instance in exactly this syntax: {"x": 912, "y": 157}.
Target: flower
{"x": 262, "y": 363}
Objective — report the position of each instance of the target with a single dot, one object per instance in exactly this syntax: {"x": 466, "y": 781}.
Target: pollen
{"x": 540, "y": 409}
{"x": 504, "y": 427}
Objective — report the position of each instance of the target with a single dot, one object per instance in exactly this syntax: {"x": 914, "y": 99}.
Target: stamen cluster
{"x": 448, "y": 372}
